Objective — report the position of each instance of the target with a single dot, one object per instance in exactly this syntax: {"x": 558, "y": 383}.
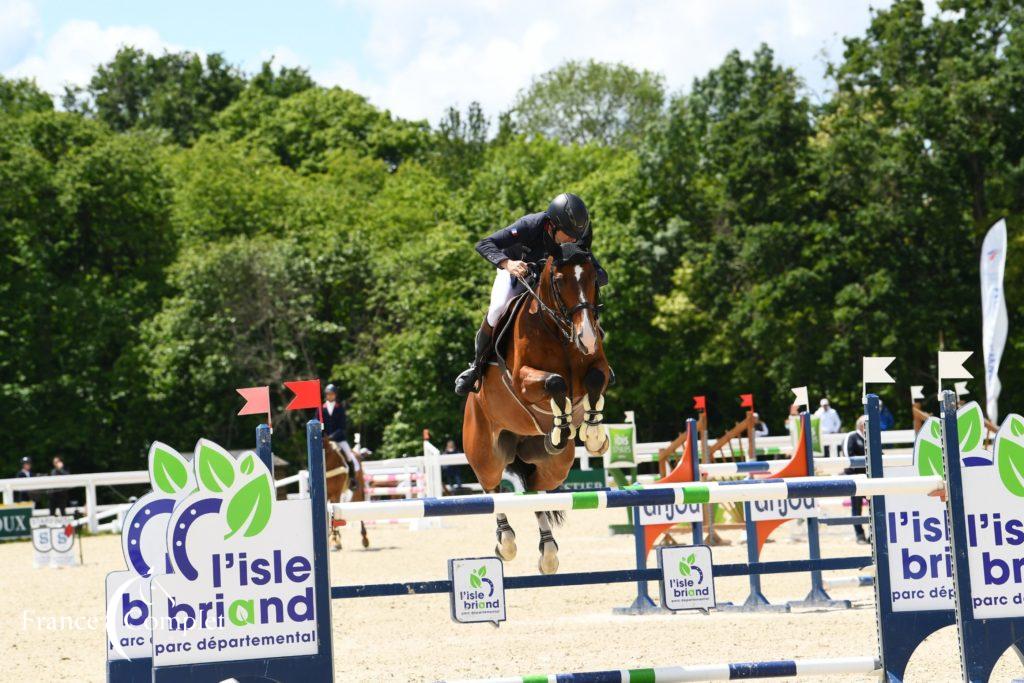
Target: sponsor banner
{"x": 14, "y": 521}
{"x": 670, "y": 514}
{"x": 585, "y": 480}
{"x": 687, "y": 577}
{"x": 994, "y": 514}
{"x": 242, "y": 581}
{"x": 920, "y": 565}
{"x": 144, "y": 546}
{"x": 994, "y": 321}
{"x": 622, "y": 446}
{"x": 478, "y": 590}
{"x": 791, "y": 508}
{"x": 53, "y": 541}
{"x": 129, "y": 628}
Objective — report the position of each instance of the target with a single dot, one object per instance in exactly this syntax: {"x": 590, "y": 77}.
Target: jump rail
{"x": 712, "y": 492}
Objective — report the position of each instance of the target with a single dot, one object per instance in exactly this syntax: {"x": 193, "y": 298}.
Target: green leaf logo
{"x": 969, "y": 423}
{"x": 1009, "y": 455}
{"x": 248, "y": 464}
{"x": 476, "y": 575}
{"x": 928, "y": 449}
{"x": 929, "y": 459}
{"x": 169, "y": 474}
{"x": 684, "y": 567}
{"x": 216, "y": 469}
{"x": 249, "y": 509}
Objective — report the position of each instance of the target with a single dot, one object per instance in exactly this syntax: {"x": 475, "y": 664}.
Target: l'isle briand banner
{"x": 993, "y": 486}
{"x": 241, "y": 580}
{"x": 920, "y": 567}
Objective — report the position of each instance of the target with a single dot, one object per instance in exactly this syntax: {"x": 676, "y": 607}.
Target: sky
{"x": 416, "y": 58}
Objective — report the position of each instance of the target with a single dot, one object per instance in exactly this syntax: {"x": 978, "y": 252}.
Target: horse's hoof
{"x": 596, "y": 445}
{"x": 366, "y": 542}
{"x": 548, "y": 562}
{"x": 506, "y": 548}
{"x": 551, "y": 447}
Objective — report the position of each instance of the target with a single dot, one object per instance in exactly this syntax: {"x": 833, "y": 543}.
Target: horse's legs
{"x": 506, "y": 536}
{"x": 591, "y": 431}
{"x": 359, "y": 494}
{"x": 538, "y": 384}
{"x": 488, "y": 463}
{"x": 548, "y": 562}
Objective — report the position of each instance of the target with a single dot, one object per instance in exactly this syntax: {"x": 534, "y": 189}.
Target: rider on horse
{"x": 336, "y": 425}
{"x": 512, "y": 250}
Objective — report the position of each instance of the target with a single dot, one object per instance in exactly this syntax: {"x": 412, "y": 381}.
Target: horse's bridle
{"x": 563, "y": 316}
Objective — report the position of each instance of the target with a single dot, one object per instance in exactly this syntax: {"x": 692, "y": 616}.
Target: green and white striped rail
{"x": 676, "y": 494}
{"x": 707, "y": 672}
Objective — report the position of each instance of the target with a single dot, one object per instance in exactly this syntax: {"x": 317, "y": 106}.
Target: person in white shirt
{"x": 829, "y": 421}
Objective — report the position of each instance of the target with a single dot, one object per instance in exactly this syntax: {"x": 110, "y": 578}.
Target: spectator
{"x": 760, "y": 426}
{"x": 24, "y": 472}
{"x": 451, "y": 475}
{"x": 885, "y": 418}
{"x": 828, "y": 420}
{"x": 853, "y": 446}
{"x": 58, "y": 497}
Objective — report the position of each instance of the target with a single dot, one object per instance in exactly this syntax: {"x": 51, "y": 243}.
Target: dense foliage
{"x": 177, "y": 228}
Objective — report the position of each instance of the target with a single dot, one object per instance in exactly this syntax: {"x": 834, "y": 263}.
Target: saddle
{"x": 503, "y": 329}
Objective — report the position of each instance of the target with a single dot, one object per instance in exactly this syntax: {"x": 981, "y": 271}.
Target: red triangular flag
{"x": 69, "y": 530}
{"x": 307, "y": 394}
{"x": 747, "y": 401}
{"x": 257, "y": 400}
{"x": 700, "y": 403}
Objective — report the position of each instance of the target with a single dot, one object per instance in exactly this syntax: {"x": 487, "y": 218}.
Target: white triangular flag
{"x": 801, "y": 396}
{"x": 961, "y": 388}
{"x": 917, "y": 392}
{"x": 874, "y": 369}
{"x": 951, "y": 365}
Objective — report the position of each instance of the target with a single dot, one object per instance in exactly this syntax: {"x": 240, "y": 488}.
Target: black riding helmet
{"x": 569, "y": 214}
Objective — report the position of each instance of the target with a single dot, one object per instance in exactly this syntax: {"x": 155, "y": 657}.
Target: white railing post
{"x": 90, "y": 507}
{"x": 8, "y": 495}
{"x": 432, "y": 481}
{"x": 304, "y": 483}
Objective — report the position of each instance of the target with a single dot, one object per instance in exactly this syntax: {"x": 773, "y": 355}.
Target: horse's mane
{"x": 572, "y": 253}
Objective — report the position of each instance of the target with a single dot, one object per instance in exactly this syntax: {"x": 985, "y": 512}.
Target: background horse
{"x": 338, "y": 481}
{"x": 526, "y": 415}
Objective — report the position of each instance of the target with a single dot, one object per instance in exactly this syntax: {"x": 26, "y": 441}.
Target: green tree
{"x": 582, "y": 102}
{"x": 86, "y": 238}
{"x": 20, "y": 96}
{"x": 178, "y": 93}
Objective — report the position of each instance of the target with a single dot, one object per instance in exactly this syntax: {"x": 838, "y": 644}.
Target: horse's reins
{"x": 563, "y": 316}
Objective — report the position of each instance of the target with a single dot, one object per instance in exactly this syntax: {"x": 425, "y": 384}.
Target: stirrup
{"x": 474, "y": 371}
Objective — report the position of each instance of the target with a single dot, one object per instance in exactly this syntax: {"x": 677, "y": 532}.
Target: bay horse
{"x": 339, "y": 480}
{"x": 547, "y": 387}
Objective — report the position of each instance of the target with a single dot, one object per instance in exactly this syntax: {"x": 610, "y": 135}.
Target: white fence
{"x": 94, "y": 513}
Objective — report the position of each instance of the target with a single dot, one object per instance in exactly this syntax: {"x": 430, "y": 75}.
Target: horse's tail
{"x": 523, "y": 471}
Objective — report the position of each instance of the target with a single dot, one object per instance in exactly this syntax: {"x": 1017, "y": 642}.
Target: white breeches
{"x": 353, "y": 461}
{"x": 503, "y": 290}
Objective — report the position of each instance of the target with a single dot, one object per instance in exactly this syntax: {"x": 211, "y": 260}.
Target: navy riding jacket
{"x": 524, "y": 241}
{"x": 336, "y": 423}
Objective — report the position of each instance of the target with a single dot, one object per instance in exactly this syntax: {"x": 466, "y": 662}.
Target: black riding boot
{"x": 468, "y": 381}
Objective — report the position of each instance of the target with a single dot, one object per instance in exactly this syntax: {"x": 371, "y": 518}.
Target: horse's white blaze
{"x": 587, "y": 335}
